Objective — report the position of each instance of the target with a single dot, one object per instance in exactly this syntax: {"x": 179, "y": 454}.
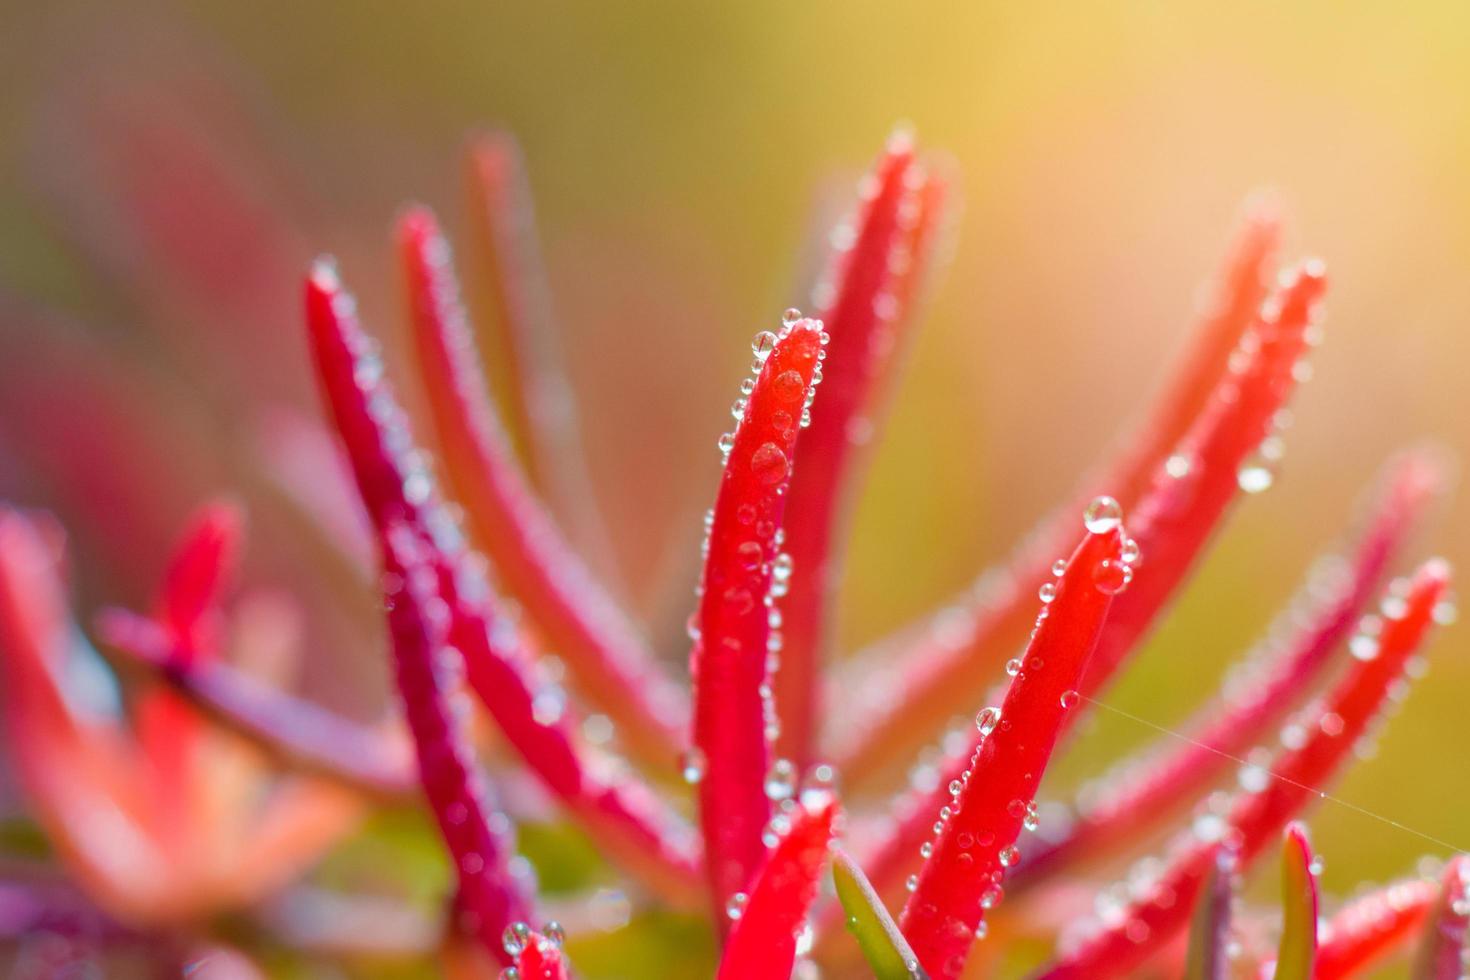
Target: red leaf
{"x": 1208, "y": 468}
{"x": 1369, "y": 928}
{"x": 930, "y": 672}
{"x": 1145, "y": 790}
{"x": 763, "y": 941}
{"x": 188, "y": 612}
{"x": 890, "y": 242}
{"x": 1443, "y": 951}
{"x": 1255, "y": 817}
{"x": 539, "y": 402}
{"x": 491, "y": 897}
{"x": 988, "y": 804}
{"x": 197, "y": 576}
{"x": 610, "y": 662}
{"x": 743, "y": 558}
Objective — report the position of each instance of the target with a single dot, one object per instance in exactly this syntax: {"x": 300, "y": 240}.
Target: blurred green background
{"x": 679, "y": 153}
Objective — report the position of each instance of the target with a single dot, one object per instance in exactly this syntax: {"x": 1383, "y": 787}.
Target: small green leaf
{"x": 887, "y": 952}
{"x": 1298, "y": 947}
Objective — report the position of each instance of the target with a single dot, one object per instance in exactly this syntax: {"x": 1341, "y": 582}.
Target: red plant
{"x": 478, "y": 581}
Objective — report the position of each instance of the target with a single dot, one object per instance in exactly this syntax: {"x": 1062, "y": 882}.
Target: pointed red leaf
{"x": 197, "y": 576}
{"x": 475, "y": 833}
{"x": 529, "y": 709}
{"x": 1316, "y": 746}
{"x": 928, "y": 673}
{"x": 743, "y": 561}
{"x": 609, "y": 661}
{"x": 187, "y": 609}
{"x": 1444, "y": 951}
{"x": 540, "y": 403}
{"x": 1145, "y": 790}
{"x": 987, "y": 805}
{"x": 763, "y": 941}
{"x": 879, "y": 257}
{"x": 1210, "y": 467}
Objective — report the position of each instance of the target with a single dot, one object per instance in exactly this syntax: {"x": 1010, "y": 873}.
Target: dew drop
{"x": 1111, "y": 577}
{"x": 1069, "y": 699}
{"x": 769, "y": 464}
{"x": 1013, "y": 666}
{"x": 1254, "y": 477}
{"x": 781, "y": 780}
{"x": 1047, "y": 592}
{"x": 513, "y": 940}
{"x": 790, "y": 317}
{"x": 1009, "y": 856}
{"x": 1032, "y": 820}
{"x": 1253, "y": 779}
{"x": 726, "y": 442}
{"x": 735, "y": 907}
{"x": 1102, "y": 515}
{"x": 554, "y": 933}
{"x": 750, "y": 554}
{"x": 692, "y": 765}
{"x": 763, "y": 344}
{"x": 1059, "y": 567}
{"x": 1363, "y": 647}
{"x": 986, "y": 720}
{"x": 788, "y": 385}
{"x": 912, "y": 883}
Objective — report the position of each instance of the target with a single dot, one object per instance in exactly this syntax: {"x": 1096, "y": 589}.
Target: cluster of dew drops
{"x": 782, "y": 779}
{"x": 1102, "y": 516}
{"x": 517, "y": 936}
{"x": 1364, "y": 646}
{"x": 1258, "y": 471}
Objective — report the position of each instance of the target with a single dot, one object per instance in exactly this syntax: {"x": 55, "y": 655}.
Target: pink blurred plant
{"x": 209, "y": 787}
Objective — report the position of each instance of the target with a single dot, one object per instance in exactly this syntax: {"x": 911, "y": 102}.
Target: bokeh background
{"x": 680, "y": 156}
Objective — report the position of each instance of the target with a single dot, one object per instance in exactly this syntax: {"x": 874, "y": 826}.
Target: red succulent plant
{"x": 206, "y": 787}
